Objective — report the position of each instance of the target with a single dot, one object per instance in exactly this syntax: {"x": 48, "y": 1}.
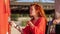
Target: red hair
{"x": 40, "y": 10}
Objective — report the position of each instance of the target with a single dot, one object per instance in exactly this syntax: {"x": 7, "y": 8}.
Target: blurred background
{"x": 20, "y": 11}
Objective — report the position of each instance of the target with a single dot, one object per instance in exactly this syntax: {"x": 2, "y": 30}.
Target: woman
{"x": 37, "y": 24}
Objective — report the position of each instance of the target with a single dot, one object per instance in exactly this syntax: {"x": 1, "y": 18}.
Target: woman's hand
{"x": 30, "y": 23}
{"x": 21, "y": 30}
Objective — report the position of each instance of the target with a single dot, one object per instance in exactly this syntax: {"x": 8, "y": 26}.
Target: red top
{"x": 39, "y": 27}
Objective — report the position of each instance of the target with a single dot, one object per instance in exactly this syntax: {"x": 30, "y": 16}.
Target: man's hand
{"x": 13, "y": 24}
{"x": 54, "y": 22}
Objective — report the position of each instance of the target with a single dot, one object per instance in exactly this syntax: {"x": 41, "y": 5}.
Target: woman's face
{"x": 32, "y": 11}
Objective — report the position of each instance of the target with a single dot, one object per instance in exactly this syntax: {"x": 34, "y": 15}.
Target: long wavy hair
{"x": 40, "y": 11}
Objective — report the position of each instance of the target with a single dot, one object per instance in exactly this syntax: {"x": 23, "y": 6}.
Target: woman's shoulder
{"x": 41, "y": 17}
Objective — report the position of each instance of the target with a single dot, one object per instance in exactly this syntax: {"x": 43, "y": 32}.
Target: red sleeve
{"x": 40, "y": 28}
{"x": 26, "y": 30}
